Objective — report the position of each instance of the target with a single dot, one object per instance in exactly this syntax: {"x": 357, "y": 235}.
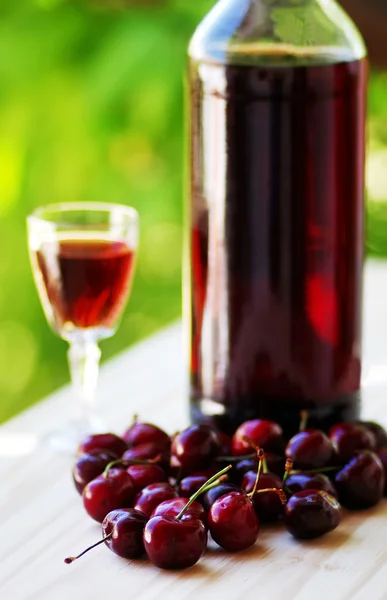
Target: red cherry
{"x": 173, "y": 507}
{"x": 122, "y": 533}
{"x": 216, "y": 492}
{"x": 310, "y": 449}
{"x": 108, "y": 492}
{"x": 103, "y": 442}
{"x": 152, "y": 495}
{"x": 89, "y": 466}
{"x": 233, "y": 522}
{"x": 311, "y": 513}
{"x": 146, "y": 433}
{"x": 195, "y": 448}
{"x": 265, "y": 434}
{"x": 268, "y": 504}
{"x": 360, "y": 484}
{"x": 144, "y": 475}
{"x": 350, "y": 438}
{"x": 174, "y": 544}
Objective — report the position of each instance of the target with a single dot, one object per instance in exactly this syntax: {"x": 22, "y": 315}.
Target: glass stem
{"x": 84, "y": 357}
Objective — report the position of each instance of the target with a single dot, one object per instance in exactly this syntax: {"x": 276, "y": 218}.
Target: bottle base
{"x": 227, "y": 417}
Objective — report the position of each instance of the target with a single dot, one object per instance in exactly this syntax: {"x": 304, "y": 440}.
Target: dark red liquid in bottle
{"x": 86, "y": 281}
{"x": 277, "y": 242}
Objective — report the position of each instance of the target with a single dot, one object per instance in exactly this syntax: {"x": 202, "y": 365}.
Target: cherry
{"x": 382, "y": 453}
{"x": 146, "y": 433}
{"x": 268, "y": 504}
{"x": 243, "y": 466}
{"x": 298, "y": 482}
{"x": 152, "y": 495}
{"x": 224, "y": 442}
{"x": 265, "y": 434}
{"x": 216, "y": 492}
{"x": 360, "y": 484}
{"x": 109, "y": 491}
{"x": 90, "y": 465}
{"x": 102, "y": 442}
{"x": 190, "y": 484}
{"x": 233, "y": 522}
{"x": 148, "y": 452}
{"x": 173, "y": 507}
{"x": 378, "y": 431}
{"x": 195, "y": 447}
{"x": 349, "y": 438}
{"x": 275, "y": 463}
{"x": 144, "y": 475}
{"x": 173, "y": 543}
{"x": 122, "y": 531}
{"x": 310, "y": 449}
{"x": 311, "y": 513}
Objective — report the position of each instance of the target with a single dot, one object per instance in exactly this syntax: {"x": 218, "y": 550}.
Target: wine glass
{"x": 83, "y": 258}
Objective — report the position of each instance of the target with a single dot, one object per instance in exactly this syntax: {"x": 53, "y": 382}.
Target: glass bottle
{"x": 276, "y": 213}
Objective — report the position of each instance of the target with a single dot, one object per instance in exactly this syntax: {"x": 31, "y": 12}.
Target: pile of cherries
{"x": 161, "y": 496}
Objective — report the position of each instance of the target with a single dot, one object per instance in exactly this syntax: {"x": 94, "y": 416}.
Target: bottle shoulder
{"x": 276, "y": 33}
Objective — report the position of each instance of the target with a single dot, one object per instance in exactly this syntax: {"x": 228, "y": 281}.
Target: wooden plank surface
{"x": 42, "y": 518}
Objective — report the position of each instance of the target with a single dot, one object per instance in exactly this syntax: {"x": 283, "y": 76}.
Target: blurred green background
{"x": 91, "y": 108}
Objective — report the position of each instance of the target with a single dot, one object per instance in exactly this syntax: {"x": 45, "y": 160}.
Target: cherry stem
{"x": 260, "y": 454}
{"x": 202, "y": 489}
{"x": 129, "y": 462}
{"x": 288, "y": 470}
{"x": 234, "y": 458}
{"x": 304, "y": 419}
{"x": 279, "y": 492}
{"x": 71, "y": 559}
{"x": 264, "y": 465}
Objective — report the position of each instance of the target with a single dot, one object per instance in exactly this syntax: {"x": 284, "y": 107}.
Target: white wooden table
{"x": 42, "y": 519}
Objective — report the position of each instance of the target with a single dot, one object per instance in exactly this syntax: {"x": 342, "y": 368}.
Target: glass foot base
{"x": 67, "y": 439}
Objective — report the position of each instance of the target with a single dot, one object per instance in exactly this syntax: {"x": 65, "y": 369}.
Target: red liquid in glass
{"x": 86, "y": 281}
{"x": 277, "y": 243}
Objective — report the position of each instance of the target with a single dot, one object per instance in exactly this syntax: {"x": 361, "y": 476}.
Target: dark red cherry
{"x": 382, "y": 453}
{"x": 190, "y": 484}
{"x": 153, "y": 495}
{"x": 174, "y": 544}
{"x": 299, "y": 482}
{"x": 310, "y": 449}
{"x": 225, "y": 443}
{"x": 233, "y": 522}
{"x": 195, "y": 447}
{"x": 144, "y": 475}
{"x": 146, "y": 433}
{"x": 148, "y": 452}
{"x": 122, "y": 532}
{"x": 216, "y": 492}
{"x": 126, "y": 526}
{"x": 173, "y": 507}
{"x": 265, "y": 434}
{"x": 242, "y": 467}
{"x": 275, "y": 463}
{"x": 268, "y": 504}
{"x": 350, "y": 438}
{"x": 360, "y": 484}
{"x": 108, "y": 492}
{"x": 379, "y": 433}
{"x": 311, "y": 513}
{"x": 103, "y": 442}
{"x": 89, "y": 466}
